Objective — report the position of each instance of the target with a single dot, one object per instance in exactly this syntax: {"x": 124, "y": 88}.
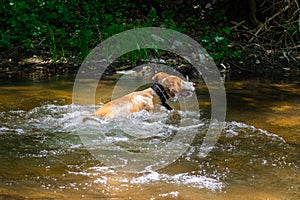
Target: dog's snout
{"x": 193, "y": 88}
{"x": 189, "y": 86}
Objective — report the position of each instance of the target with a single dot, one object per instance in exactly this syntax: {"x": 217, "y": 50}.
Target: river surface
{"x": 43, "y": 156}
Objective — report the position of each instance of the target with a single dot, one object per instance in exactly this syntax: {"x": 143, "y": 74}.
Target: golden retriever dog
{"x": 165, "y": 86}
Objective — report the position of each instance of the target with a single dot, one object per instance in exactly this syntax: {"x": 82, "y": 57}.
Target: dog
{"x": 165, "y": 87}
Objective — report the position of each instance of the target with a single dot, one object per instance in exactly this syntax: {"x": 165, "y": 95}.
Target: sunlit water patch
{"x": 43, "y": 149}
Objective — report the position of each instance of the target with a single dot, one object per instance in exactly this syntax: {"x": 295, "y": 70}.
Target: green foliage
{"x": 136, "y": 56}
{"x": 217, "y": 44}
{"x": 69, "y": 29}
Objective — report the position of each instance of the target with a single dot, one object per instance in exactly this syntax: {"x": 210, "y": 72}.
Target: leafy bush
{"x": 69, "y": 29}
{"x": 219, "y": 46}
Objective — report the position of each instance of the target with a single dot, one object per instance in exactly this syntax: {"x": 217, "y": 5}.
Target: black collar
{"x": 163, "y": 95}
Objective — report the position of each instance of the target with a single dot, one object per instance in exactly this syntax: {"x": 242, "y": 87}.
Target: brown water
{"x": 256, "y": 157}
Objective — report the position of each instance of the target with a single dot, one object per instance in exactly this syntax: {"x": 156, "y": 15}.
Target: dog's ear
{"x": 175, "y": 85}
{"x": 173, "y": 91}
{"x": 174, "y": 94}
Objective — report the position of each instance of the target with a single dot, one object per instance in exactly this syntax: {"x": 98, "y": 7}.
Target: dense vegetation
{"x": 64, "y": 31}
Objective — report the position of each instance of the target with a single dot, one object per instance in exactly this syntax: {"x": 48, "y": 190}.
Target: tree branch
{"x": 264, "y": 25}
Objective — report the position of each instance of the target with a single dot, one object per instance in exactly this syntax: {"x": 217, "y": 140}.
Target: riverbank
{"x": 36, "y": 68}
{"x": 54, "y": 37}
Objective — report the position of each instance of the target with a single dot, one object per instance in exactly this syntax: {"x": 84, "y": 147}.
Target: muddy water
{"x": 42, "y": 155}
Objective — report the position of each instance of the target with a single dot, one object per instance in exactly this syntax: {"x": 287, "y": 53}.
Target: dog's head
{"x": 174, "y": 85}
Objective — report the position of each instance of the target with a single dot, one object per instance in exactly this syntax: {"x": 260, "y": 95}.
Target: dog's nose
{"x": 192, "y": 85}
{"x": 189, "y": 86}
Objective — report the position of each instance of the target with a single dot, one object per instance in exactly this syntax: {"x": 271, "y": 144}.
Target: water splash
{"x": 47, "y": 135}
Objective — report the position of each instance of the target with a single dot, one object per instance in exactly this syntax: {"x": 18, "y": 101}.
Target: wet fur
{"x": 144, "y": 100}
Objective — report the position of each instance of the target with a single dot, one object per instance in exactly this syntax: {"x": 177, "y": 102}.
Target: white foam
{"x": 18, "y": 131}
{"x": 186, "y": 179}
{"x": 172, "y": 194}
{"x": 233, "y": 127}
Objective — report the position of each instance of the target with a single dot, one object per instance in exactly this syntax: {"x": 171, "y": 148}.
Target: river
{"x": 42, "y": 156}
